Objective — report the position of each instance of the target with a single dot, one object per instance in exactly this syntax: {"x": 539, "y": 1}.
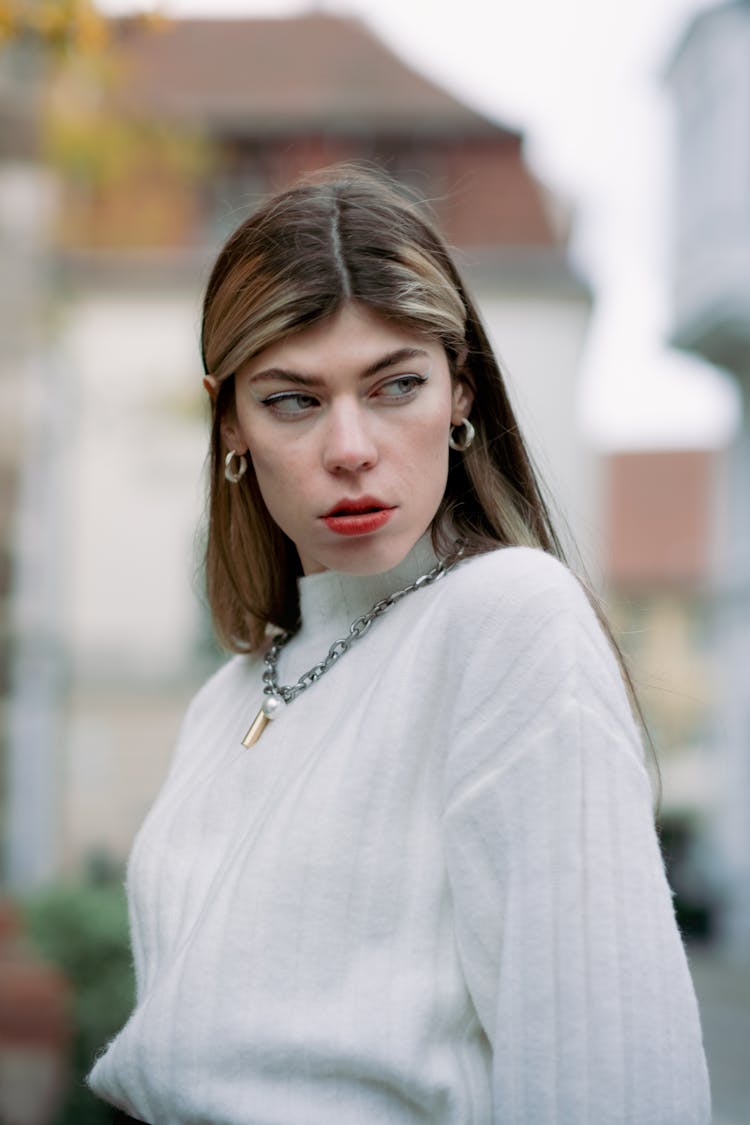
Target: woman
{"x": 404, "y": 867}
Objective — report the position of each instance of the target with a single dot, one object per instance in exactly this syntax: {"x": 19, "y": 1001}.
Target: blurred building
{"x": 660, "y": 536}
{"x": 710, "y": 82}
{"x": 30, "y": 684}
{"x": 215, "y": 114}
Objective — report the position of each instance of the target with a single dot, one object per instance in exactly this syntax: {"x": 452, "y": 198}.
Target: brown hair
{"x": 350, "y": 236}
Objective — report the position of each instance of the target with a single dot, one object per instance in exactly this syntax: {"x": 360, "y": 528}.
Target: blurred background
{"x": 590, "y": 164}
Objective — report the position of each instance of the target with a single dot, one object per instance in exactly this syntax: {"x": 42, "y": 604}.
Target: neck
{"x": 330, "y": 601}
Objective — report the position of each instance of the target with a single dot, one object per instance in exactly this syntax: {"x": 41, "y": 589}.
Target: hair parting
{"x": 348, "y": 235}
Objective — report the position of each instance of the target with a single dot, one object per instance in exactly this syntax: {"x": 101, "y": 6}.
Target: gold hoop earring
{"x": 235, "y": 475}
{"x": 462, "y": 441}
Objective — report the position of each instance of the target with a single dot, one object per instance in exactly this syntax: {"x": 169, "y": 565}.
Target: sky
{"x": 585, "y": 82}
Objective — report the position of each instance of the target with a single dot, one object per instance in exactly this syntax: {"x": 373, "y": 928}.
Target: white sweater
{"x": 432, "y": 892}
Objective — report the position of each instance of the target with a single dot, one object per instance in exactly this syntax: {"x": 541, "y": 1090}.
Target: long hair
{"x": 350, "y": 236}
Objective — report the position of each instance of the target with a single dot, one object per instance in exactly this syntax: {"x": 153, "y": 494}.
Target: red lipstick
{"x": 358, "y": 517}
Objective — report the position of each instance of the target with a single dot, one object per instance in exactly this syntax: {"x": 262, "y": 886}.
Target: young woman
{"x": 404, "y": 866}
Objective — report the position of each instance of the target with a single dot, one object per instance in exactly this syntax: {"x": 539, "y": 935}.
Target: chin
{"x": 366, "y": 556}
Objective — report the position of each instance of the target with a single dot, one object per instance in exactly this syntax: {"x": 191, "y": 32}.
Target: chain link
{"x": 357, "y": 629}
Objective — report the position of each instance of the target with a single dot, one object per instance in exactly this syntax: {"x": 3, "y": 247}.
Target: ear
{"x": 230, "y": 431}
{"x": 231, "y": 436}
{"x": 463, "y": 400}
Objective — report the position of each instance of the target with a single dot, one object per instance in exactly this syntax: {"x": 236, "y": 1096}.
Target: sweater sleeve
{"x": 563, "y": 916}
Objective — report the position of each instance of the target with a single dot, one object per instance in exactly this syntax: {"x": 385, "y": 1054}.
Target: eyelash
{"x": 272, "y": 402}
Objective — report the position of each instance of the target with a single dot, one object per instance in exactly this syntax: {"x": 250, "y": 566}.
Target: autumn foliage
{"x": 128, "y": 180}
{"x": 62, "y": 26}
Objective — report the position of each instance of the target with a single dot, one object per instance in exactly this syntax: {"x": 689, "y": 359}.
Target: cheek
{"x": 428, "y": 441}
{"x": 273, "y": 458}
{"x": 281, "y": 479}
{"x": 423, "y": 457}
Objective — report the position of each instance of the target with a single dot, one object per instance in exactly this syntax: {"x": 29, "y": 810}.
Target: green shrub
{"x": 83, "y": 929}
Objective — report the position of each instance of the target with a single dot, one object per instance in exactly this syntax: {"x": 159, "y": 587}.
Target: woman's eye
{"x": 401, "y": 387}
{"x": 289, "y": 403}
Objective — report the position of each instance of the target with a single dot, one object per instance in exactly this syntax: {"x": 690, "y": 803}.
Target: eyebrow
{"x": 298, "y": 379}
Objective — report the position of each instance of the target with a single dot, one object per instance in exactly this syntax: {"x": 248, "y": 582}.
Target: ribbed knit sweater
{"x": 431, "y": 892}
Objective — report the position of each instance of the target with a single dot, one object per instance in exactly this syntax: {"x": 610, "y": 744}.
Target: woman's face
{"x": 347, "y": 426}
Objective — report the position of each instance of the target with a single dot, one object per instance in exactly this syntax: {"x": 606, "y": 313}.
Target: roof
{"x": 267, "y": 76}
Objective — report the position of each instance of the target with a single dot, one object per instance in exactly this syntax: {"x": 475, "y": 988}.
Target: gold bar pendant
{"x": 258, "y": 725}
{"x": 268, "y": 711}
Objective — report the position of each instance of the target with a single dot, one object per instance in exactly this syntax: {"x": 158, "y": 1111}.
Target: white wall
{"x": 134, "y": 478}
{"x": 539, "y": 341}
{"x": 131, "y": 493}
{"x": 130, "y": 490}
{"x": 134, "y": 488}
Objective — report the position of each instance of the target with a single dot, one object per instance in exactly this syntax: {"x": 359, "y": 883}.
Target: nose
{"x": 348, "y": 441}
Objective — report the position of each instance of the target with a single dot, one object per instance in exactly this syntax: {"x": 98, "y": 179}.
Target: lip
{"x": 358, "y": 517}
{"x": 347, "y": 507}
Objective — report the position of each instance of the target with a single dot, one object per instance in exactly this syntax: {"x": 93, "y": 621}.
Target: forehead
{"x": 354, "y": 337}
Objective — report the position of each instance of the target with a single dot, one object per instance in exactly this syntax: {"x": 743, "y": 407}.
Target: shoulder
{"x": 530, "y": 565}
{"x": 520, "y": 613}
{"x": 537, "y": 666}
{"x": 519, "y": 583}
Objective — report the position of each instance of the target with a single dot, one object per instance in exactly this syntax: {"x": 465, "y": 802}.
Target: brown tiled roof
{"x": 276, "y": 76}
{"x": 659, "y": 516}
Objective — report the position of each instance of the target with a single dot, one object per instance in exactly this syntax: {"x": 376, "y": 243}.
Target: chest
{"x": 323, "y": 810}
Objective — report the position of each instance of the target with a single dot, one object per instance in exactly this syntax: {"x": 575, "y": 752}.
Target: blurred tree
{"x": 62, "y": 26}
{"x": 83, "y": 929}
{"x": 126, "y": 179}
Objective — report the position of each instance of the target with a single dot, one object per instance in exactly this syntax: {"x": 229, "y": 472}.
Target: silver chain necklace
{"x": 278, "y": 694}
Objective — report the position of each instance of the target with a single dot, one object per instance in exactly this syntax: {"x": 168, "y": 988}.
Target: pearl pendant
{"x": 269, "y": 709}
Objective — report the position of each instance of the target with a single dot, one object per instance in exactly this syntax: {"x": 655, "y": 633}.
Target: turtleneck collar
{"x": 334, "y": 600}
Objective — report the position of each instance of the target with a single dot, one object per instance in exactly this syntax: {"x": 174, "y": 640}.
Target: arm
{"x": 563, "y": 916}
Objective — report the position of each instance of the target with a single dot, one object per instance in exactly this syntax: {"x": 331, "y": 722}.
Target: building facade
{"x": 709, "y": 78}
{"x": 660, "y": 532}
{"x": 227, "y": 123}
